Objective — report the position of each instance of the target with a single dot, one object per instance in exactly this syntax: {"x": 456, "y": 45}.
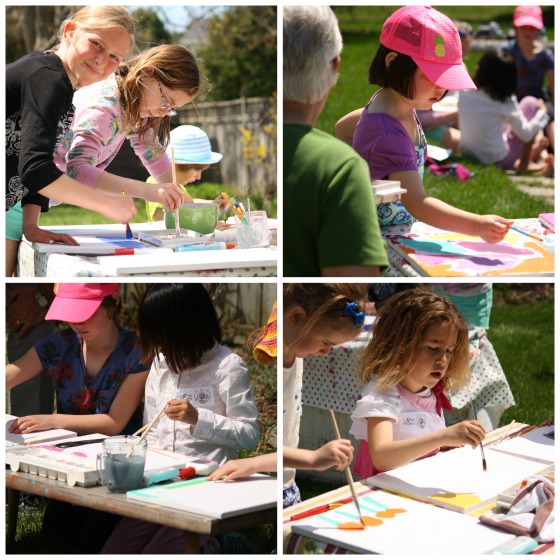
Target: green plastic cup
{"x": 201, "y": 217}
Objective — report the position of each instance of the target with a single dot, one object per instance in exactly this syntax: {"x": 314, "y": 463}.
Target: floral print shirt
{"x": 62, "y": 358}
{"x": 97, "y": 134}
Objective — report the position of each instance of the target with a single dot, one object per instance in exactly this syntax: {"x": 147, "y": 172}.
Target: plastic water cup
{"x": 116, "y": 470}
{"x": 255, "y": 233}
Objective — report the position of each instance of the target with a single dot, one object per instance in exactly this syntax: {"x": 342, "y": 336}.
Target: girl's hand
{"x": 237, "y": 468}
{"x": 170, "y": 195}
{"x": 35, "y": 423}
{"x": 35, "y": 234}
{"x": 493, "y": 228}
{"x": 120, "y": 209}
{"x": 337, "y": 453}
{"x": 182, "y": 410}
{"x": 468, "y": 432}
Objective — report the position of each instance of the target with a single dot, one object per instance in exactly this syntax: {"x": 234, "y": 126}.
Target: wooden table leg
{"x": 13, "y": 505}
{"x": 192, "y": 542}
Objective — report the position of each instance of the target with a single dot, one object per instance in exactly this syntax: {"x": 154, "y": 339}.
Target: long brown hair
{"x": 175, "y": 67}
{"x": 398, "y": 333}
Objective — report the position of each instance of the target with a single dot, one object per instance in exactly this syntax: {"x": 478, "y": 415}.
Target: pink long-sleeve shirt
{"x": 97, "y": 134}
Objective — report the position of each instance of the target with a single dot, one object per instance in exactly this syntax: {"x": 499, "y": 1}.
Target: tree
{"x": 33, "y": 28}
{"x": 239, "y": 56}
{"x": 150, "y": 30}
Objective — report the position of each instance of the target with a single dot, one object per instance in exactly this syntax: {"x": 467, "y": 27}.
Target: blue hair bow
{"x": 351, "y": 310}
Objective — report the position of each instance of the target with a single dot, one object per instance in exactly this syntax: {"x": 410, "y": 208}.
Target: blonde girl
{"x": 39, "y": 91}
{"x": 419, "y": 350}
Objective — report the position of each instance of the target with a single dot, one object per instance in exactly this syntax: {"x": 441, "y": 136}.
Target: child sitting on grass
{"x": 495, "y": 127}
{"x": 193, "y": 155}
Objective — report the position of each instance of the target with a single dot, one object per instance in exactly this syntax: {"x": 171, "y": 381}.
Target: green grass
{"x": 489, "y": 191}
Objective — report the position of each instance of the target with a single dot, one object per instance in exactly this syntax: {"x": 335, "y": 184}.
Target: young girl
{"x": 210, "y": 412}
{"x": 39, "y": 91}
{"x": 99, "y": 377}
{"x": 95, "y": 365}
{"x": 534, "y": 61}
{"x": 193, "y": 155}
{"x": 316, "y": 318}
{"x": 419, "y": 59}
{"x": 419, "y": 349}
{"x": 495, "y": 128}
{"x": 135, "y": 103}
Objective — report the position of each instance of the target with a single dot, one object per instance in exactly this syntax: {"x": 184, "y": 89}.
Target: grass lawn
{"x": 522, "y": 334}
{"x": 491, "y": 190}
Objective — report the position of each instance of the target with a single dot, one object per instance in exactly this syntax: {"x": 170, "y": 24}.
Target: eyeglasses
{"x": 165, "y": 103}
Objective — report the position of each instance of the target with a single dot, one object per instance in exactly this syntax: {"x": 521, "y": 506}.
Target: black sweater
{"x": 39, "y": 112}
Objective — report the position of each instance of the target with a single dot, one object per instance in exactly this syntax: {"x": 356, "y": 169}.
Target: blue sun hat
{"x": 192, "y": 145}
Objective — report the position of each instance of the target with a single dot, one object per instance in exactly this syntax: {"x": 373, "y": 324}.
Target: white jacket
{"x": 221, "y": 390}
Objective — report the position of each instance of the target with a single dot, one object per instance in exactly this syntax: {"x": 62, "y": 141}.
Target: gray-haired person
{"x": 330, "y": 222}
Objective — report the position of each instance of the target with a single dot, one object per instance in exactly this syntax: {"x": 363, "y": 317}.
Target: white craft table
{"x": 98, "y": 497}
{"x": 232, "y": 262}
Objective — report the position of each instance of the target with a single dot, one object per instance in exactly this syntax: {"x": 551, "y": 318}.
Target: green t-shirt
{"x": 329, "y": 210}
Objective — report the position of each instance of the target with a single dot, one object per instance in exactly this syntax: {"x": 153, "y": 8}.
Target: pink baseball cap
{"x": 76, "y": 303}
{"x": 528, "y": 15}
{"x": 431, "y": 39}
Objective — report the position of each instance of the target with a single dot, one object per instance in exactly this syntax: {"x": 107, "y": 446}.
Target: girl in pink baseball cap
{"x": 418, "y": 61}
{"x": 99, "y": 376}
{"x": 95, "y": 364}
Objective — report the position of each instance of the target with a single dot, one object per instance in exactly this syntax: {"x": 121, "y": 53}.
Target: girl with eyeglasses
{"x": 135, "y": 103}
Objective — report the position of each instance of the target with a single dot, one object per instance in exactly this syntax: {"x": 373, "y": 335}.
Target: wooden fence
{"x": 249, "y": 158}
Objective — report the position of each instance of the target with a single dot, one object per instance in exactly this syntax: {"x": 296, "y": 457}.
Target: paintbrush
{"x": 347, "y": 472}
{"x": 484, "y": 468}
{"x": 128, "y": 233}
{"x": 174, "y": 179}
{"x": 523, "y": 232}
{"x": 144, "y": 431}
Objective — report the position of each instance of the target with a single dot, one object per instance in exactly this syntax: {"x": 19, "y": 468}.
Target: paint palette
{"x": 167, "y": 238}
{"x": 74, "y": 465}
{"x": 390, "y": 520}
{"x": 78, "y": 465}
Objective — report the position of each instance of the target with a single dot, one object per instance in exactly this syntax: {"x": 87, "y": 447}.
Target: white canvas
{"x": 455, "y": 479}
{"x": 421, "y": 529}
{"x": 216, "y": 500}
